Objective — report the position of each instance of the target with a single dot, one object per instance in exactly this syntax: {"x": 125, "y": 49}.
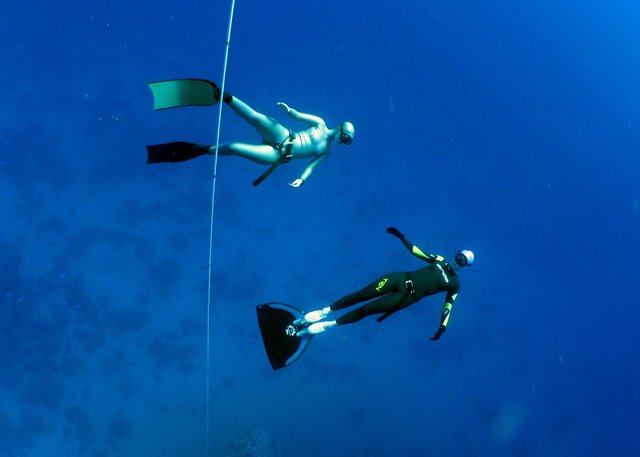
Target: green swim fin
{"x": 178, "y": 151}
{"x": 184, "y": 92}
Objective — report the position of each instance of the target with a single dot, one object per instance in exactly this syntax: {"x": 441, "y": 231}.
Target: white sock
{"x": 315, "y": 316}
{"x": 320, "y": 327}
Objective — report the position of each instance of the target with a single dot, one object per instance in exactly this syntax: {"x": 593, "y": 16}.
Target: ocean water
{"x": 508, "y": 128}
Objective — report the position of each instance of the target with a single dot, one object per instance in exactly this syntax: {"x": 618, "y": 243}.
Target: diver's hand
{"x": 297, "y": 183}
{"x": 439, "y": 333}
{"x": 395, "y": 232}
{"x": 284, "y": 107}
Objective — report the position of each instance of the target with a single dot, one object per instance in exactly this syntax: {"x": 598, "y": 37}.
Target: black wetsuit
{"x": 401, "y": 289}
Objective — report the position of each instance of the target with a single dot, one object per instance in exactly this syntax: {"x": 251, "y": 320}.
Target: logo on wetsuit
{"x": 381, "y": 284}
{"x": 444, "y": 275}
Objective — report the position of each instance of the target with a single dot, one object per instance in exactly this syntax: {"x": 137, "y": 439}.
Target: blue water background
{"x": 510, "y": 128}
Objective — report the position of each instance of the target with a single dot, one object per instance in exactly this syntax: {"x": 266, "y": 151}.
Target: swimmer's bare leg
{"x": 259, "y": 153}
{"x": 268, "y": 128}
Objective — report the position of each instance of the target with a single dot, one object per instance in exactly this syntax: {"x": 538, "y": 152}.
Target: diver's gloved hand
{"x": 297, "y": 183}
{"x": 284, "y": 107}
{"x": 439, "y": 333}
{"x": 395, "y": 232}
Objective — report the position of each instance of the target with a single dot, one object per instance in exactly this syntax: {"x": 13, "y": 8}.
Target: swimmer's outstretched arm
{"x": 415, "y": 250}
{"x": 444, "y": 315}
{"x": 307, "y": 171}
{"x": 301, "y": 117}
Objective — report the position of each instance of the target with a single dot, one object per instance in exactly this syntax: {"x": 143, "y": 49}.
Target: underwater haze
{"x": 508, "y": 128}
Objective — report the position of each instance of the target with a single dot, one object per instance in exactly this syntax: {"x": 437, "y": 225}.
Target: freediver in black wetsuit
{"x": 396, "y": 291}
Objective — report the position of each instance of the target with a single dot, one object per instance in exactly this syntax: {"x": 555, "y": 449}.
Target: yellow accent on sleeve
{"x": 416, "y": 251}
{"x": 448, "y": 307}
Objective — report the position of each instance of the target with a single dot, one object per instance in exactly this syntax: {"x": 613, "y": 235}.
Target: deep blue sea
{"x": 508, "y": 128}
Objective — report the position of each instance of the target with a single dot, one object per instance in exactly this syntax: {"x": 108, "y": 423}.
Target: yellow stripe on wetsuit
{"x": 415, "y": 250}
{"x": 446, "y": 311}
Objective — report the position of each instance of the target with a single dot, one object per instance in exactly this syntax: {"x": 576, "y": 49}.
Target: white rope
{"x": 213, "y": 201}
